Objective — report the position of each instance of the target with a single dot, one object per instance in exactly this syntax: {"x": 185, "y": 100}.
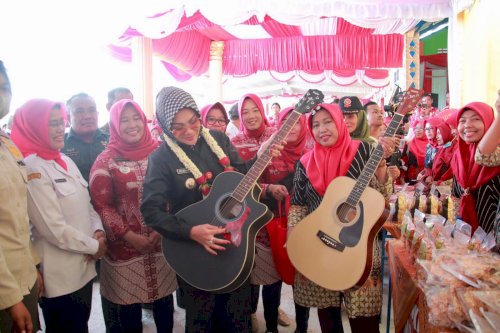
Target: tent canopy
{"x": 342, "y": 43}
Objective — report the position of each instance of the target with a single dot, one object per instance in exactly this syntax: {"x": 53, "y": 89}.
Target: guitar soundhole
{"x": 229, "y": 208}
{"x": 346, "y": 213}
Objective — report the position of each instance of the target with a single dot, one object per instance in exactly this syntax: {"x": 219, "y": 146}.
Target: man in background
{"x": 85, "y": 141}
{"x": 375, "y": 117}
{"x": 114, "y": 96}
{"x": 233, "y": 127}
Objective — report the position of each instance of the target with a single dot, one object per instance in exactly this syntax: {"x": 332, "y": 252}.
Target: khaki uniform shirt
{"x": 17, "y": 260}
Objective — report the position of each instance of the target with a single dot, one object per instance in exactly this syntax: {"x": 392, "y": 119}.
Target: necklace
{"x": 201, "y": 179}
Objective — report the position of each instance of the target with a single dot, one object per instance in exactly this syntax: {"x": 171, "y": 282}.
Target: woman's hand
{"x": 21, "y": 318}
{"x": 275, "y": 150}
{"x": 154, "y": 237}
{"x": 205, "y": 234}
{"x": 279, "y": 192}
{"x": 387, "y": 144}
{"x": 101, "y": 250}
{"x": 394, "y": 172}
{"x": 141, "y": 243}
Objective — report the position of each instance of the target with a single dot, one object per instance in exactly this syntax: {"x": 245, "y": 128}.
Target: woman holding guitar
{"x": 179, "y": 174}
{"x": 279, "y": 176}
{"x": 334, "y": 154}
{"x": 254, "y": 130}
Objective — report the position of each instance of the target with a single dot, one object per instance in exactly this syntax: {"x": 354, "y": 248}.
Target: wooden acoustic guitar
{"x": 233, "y": 204}
{"x": 333, "y": 246}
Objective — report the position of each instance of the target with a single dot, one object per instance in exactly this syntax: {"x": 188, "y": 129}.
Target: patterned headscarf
{"x": 169, "y": 101}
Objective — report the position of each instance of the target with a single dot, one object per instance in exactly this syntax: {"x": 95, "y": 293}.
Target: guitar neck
{"x": 372, "y": 164}
{"x": 251, "y": 177}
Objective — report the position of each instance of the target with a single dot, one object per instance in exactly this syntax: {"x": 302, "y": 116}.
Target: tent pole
{"x": 142, "y": 57}
{"x": 215, "y": 71}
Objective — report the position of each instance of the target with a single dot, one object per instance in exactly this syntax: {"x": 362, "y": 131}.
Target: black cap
{"x": 350, "y": 104}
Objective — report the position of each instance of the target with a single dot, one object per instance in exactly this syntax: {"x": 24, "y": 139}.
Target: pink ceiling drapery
{"x": 312, "y": 53}
{"x": 188, "y": 50}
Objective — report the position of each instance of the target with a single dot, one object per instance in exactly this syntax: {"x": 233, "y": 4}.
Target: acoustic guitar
{"x": 333, "y": 246}
{"x": 232, "y": 203}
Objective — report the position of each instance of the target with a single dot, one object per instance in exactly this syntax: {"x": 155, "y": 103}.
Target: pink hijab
{"x": 324, "y": 164}
{"x": 206, "y": 109}
{"x": 293, "y": 151}
{"x": 258, "y": 132}
{"x": 30, "y": 129}
{"x": 136, "y": 151}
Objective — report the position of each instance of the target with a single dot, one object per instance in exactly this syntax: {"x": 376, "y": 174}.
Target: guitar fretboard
{"x": 410, "y": 100}
{"x": 372, "y": 164}
{"x": 251, "y": 177}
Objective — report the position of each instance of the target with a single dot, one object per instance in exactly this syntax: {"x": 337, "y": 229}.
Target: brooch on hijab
{"x": 124, "y": 169}
{"x": 190, "y": 183}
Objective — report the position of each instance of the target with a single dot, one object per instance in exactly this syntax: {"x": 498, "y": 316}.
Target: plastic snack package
{"x": 492, "y": 318}
{"x": 477, "y": 239}
{"x": 490, "y": 298}
{"x": 480, "y": 323}
{"x": 439, "y": 299}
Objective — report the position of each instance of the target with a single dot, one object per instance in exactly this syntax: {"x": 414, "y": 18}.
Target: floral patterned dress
{"x": 127, "y": 276}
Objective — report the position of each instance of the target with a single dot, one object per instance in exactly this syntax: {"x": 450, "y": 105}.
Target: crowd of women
{"x": 138, "y": 184}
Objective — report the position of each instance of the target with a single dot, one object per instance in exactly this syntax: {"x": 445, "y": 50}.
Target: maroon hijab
{"x": 324, "y": 164}
{"x": 258, "y": 132}
{"x": 30, "y": 129}
{"x": 293, "y": 150}
{"x": 136, "y": 151}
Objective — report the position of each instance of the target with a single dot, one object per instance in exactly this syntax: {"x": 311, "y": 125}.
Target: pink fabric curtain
{"x": 276, "y": 29}
{"x": 346, "y": 28}
{"x": 187, "y": 50}
{"x": 313, "y": 53}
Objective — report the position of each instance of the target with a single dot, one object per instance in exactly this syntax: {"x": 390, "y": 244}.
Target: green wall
{"x": 438, "y": 40}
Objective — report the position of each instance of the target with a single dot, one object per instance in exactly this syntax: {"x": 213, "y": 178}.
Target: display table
{"x": 405, "y": 290}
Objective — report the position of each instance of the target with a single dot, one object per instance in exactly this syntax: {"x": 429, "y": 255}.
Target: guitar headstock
{"x": 410, "y": 101}
{"x": 310, "y": 99}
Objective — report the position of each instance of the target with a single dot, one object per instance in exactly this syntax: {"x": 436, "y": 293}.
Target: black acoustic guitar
{"x": 233, "y": 204}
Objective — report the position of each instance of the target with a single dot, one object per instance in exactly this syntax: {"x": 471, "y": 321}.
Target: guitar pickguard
{"x": 234, "y": 228}
{"x": 350, "y": 236}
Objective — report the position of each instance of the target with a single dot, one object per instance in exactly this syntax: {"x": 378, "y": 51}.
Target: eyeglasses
{"x": 212, "y": 121}
{"x": 193, "y": 123}
{"x": 57, "y": 123}
{"x": 428, "y": 128}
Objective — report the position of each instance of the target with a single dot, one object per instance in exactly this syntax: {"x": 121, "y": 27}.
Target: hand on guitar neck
{"x": 274, "y": 150}
{"x": 206, "y": 236}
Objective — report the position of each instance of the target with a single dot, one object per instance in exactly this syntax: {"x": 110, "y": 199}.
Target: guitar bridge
{"x": 330, "y": 241}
